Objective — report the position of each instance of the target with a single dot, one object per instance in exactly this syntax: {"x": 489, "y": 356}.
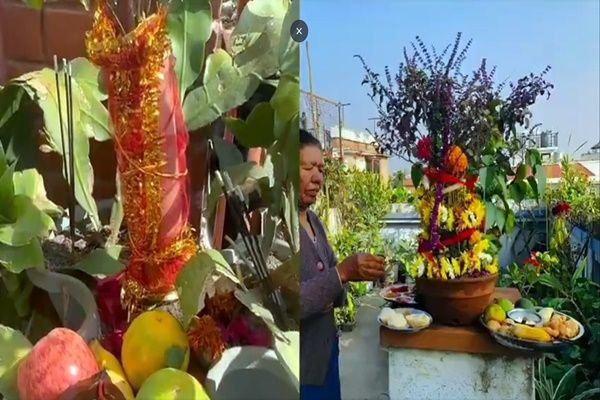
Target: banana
{"x": 546, "y": 314}
{"x": 108, "y": 362}
{"x": 530, "y": 333}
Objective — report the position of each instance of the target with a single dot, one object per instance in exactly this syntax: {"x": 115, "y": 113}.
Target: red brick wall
{"x": 28, "y": 41}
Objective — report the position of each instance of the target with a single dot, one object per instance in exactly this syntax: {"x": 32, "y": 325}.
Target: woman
{"x": 322, "y": 284}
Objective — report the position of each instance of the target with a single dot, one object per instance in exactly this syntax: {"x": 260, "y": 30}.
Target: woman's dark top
{"x": 320, "y": 287}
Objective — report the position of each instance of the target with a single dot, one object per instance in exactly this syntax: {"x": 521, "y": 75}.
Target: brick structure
{"x": 28, "y": 41}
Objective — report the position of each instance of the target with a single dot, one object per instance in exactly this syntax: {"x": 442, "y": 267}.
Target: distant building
{"x": 358, "y": 150}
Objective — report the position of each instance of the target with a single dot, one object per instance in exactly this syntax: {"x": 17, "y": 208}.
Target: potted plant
{"x": 358, "y": 290}
{"x": 465, "y": 133}
{"x": 344, "y": 316}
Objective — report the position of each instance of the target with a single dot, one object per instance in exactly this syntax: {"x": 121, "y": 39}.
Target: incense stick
{"x": 71, "y": 141}
{"x": 66, "y": 120}
{"x": 238, "y": 206}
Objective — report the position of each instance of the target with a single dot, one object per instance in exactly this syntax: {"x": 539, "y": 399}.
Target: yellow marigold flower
{"x": 465, "y": 220}
{"x": 456, "y": 267}
{"x": 466, "y": 261}
{"x": 477, "y": 208}
{"x": 450, "y": 221}
{"x": 430, "y": 269}
{"x": 481, "y": 247}
{"x": 456, "y": 161}
{"x": 475, "y": 238}
{"x": 493, "y": 267}
{"x": 417, "y": 269}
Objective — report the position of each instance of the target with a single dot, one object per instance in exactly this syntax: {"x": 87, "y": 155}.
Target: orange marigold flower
{"x": 206, "y": 340}
{"x": 475, "y": 238}
{"x": 456, "y": 161}
{"x": 221, "y": 306}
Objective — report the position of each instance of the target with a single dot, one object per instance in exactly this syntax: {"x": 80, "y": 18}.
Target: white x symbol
{"x": 298, "y": 31}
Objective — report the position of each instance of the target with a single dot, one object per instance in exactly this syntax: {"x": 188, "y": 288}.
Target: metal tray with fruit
{"x": 530, "y": 328}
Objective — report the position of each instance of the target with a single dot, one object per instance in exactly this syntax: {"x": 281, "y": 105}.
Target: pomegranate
{"x": 58, "y": 361}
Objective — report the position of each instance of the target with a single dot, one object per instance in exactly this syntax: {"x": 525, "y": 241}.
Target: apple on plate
{"x": 58, "y": 361}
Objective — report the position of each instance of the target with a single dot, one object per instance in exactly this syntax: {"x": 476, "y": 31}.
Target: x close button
{"x": 299, "y": 31}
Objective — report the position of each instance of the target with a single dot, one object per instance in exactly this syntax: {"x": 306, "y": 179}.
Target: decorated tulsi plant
{"x": 460, "y": 133}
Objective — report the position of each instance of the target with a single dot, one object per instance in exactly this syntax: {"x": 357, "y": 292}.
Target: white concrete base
{"x": 429, "y": 375}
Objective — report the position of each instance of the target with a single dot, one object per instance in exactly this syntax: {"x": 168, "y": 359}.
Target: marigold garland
{"x": 456, "y": 162}
{"x": 221, "y": 306}
{"x": 461, "y": 248}
{"x": 206, "y": 340}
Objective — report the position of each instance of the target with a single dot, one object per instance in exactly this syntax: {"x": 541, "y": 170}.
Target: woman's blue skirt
{"x": 331, "y": 388}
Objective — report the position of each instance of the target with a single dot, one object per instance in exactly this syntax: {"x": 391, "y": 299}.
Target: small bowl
{"x": 525, "y": 317}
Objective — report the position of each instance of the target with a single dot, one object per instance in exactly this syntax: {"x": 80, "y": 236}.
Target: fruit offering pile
{"x": 155, "y": 355}
{"x": 524, "y": 321}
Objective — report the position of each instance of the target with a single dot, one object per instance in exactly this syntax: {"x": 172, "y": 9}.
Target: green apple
{"x": 171, "y": 384}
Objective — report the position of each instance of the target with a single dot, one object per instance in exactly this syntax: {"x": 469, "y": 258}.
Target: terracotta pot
{"x": 456, "y": 301}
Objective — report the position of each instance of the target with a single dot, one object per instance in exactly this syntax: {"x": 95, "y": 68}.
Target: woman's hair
{"x": 307, "y": 139}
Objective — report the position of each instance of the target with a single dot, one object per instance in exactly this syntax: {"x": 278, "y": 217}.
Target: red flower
{"x": 341, "y": 158}
{"x": 561, "y": 209}
{"x": 424, "y": 148}
{"x": 532, "y": 260}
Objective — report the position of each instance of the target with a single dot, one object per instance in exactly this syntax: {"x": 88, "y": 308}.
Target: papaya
{"x": 154, "y": 340}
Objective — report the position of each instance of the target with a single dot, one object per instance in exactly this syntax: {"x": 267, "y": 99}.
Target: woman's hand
{"x": 361, "y": 267}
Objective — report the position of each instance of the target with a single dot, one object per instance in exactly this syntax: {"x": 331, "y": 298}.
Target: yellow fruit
{"x": 109, "y": 363}
{"x": 105, "y": 359}
{"x": 506, "y": 304}
{"x": 494, "y": 312}
{"x": 154, "y": 340}
{"x": 121, "y": 384}
{"x": 530, "y": 333}
{"x": 493, "y": 325}
{"x": 172, "y": 384}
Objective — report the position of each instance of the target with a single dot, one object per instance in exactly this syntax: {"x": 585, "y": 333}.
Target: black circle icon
{"x": 299, "y": 31}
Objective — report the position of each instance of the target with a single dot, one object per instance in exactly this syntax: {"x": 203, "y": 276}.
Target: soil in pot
{"x": 456, "y": 301}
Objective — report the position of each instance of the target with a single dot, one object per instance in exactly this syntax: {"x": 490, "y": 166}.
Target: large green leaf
{"x": 94, "y": 116}
{"x": 223, "y": 90}
{"x": 30, "y": 222}
{"x": 42, "y": 83}
{"x": 38, "y": 4}
{"x": 19, "y": 258}
{"x": 287, "y": 275}
{"x": 252, "y": 300}
{"x": 228, "y": 153}
{"x": 101, "y": 263}
{"x": 256, "y": 37}
{"x": 191, "y": 280}
{"x": 14, "y": 347}
{"x": 288, "y": 353}
{"x": 289, "y": 51}
{"x": 7, "y": 193}
{"x": 10, "y": 100}
{"x": 258, "y": 129}
{"x": 189, "y": 24}
{"x": 30, "y": 183}
{"x": 17, "y": 131}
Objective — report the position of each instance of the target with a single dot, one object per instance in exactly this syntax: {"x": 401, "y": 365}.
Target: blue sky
{"x": 518, "y": 37}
